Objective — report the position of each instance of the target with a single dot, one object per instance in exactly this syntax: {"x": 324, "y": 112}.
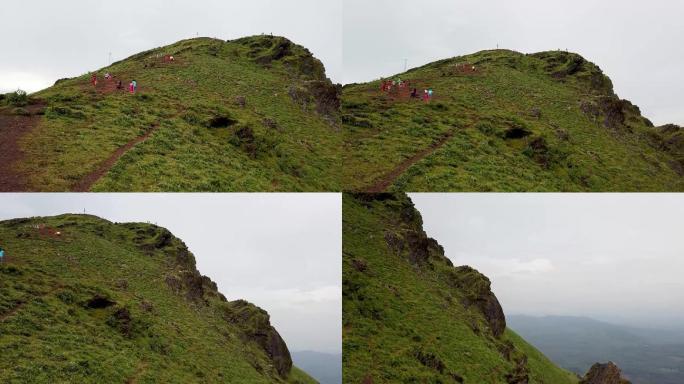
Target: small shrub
{"x": 66, "y": 297}
{"x": 21, "y": 111}
{"x": 17, "y": 99}
{"x": 55, "y": 112}
{"x": 192, "y": 118}
{"x": 143, "y": 97}
{"x": 438, "y": 107}
{"x": 486, "y": 128}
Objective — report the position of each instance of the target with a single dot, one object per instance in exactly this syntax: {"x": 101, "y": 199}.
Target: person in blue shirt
{"x": 2, "y": 254}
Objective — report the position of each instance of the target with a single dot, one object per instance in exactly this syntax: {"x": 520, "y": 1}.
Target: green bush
{"x": 18, "y": 98}
{"x": 20, "y": 111}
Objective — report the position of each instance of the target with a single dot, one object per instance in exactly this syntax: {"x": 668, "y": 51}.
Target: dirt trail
{"x": 88, "y": 180}
{"x": 12, "y": 129}
{"x": 385, "y": 181}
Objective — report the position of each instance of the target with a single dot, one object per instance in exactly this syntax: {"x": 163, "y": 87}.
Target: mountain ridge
{"x": 90, "y": 300}
{"x": 548, "y": 121}
{"x": 409, "y": 315}
{"x": 255, "y": 113}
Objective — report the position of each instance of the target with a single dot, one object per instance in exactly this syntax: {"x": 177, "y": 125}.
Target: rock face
{"x": 477, "y": 288}
{"x": 410, "y": 315}
{"x": 608, "y": 373}
{"x": 422, "y": 250}
{"x": 256, "y": 327}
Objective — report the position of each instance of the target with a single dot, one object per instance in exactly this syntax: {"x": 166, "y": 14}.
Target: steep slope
{"x": 252, "y": 114}
{"x": 410, "y": 316}
{"x": 89, "y": 301}
{"x": 504, "y": 121}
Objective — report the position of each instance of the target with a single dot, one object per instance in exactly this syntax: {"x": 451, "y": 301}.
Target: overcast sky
{"x": 637, "y": 43}
{"x": 279, "y": 251}
{"x": 43, "y": 40}
{"x": 613, "y": 257}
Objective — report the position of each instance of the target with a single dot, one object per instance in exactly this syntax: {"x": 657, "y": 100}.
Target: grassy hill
{"x": 505, "y": 121}
{"x": 89, "y": 301}
{"x": 410, "y": 316}
{"x": 252, "y": 114}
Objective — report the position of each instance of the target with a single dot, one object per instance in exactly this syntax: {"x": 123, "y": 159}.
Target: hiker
{"x": 2, "y": 255}
{"x": 171, "y": 58}
{"x": 426, "y": 98}
{"x": 119, "y": 85}
{"x": 430, "y": 92}
{"x": 108, "y": 76}
{"x": 93, "y": 79}
{"x": 131, "y": 88}
{"x": 135, "y": 85}
{"x": 414, "y": 93}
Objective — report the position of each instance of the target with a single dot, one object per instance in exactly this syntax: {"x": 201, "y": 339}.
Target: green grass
{"x": 558, "y": 98}
{"x": 164, "y": 322}
{"x": 410, "y": 322}
{"x": 295, "y": 140}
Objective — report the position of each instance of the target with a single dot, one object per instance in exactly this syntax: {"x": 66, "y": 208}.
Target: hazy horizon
{"x": 281, "y": 252}
{"x": 46, "y": 41}
{"x": 610, "y": 257}
{"x": 635, "y": 43}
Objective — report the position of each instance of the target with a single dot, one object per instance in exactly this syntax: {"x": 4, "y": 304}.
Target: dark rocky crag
{"x": 607, "y": 373}
{"x": 197, "y": 288}
{"x": 465, "y": 288}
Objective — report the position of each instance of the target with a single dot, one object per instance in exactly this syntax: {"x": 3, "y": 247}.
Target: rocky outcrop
{"x": 411, "y": 242}
{"x": 607, "y": 373}
{"x": 476, "y": 288}
{"x": 256, "y": 327}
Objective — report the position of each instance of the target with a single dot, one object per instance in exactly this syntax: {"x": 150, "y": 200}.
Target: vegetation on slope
{"x": 410, "y": 316}
{"x": 505, "y": 121}
{"x": 253, "y": 114}
{"x": 89, "y": 301}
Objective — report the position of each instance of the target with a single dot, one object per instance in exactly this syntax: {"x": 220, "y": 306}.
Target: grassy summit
{"x": 410, "y": 316}
{"x": 505, "y": 121}
{"x": 252, "y": 114}
{"x": 89, "y": 301}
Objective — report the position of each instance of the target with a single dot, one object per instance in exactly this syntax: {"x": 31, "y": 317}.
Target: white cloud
{"x": 601, "y": 255}
{"x": 29, "y": 82}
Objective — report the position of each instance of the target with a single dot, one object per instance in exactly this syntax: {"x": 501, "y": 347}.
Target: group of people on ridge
{"x": 398, "y": 84}
{"x": 132, "y": 86}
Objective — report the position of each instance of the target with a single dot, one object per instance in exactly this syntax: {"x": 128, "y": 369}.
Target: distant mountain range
{"x": 644, "y": 355}
{"x": 324, "y": 367}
